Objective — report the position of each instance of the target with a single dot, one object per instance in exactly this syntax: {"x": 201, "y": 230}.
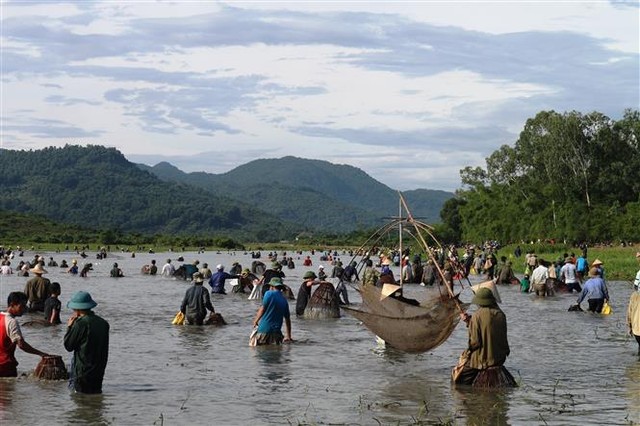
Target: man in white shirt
{"x": 168, "y": 269}
{"x": 539, "y": 279}
{"x": 569, "y": 276}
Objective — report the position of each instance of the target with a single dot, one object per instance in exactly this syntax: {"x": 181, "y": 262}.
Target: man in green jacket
{"x": 88, "y": 337}
{"x": 488, "y": 344}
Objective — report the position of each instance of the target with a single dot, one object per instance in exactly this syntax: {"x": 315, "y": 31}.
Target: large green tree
{"x": 568, "y": 176}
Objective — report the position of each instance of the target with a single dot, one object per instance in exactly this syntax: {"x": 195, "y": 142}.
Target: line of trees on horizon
{"x": 569, "y": 177}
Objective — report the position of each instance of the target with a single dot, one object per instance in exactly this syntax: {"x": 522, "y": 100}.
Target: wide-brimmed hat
{"x": 593, "y": 272}
{"x": 197, "y": 277}
{"x": 484, "y": 297}
{"x": 219, "y": 267}
{"x": 568, "y": 260}
{"x": 74, "y": 261}
{"x": 81, "y": 300}
{"x": 276, "y": 282}
{"x": 276, "y": 265}
{"x": 321, "y": 267}
{"x": 309, "y": 274}
{"x": 597, "y": 262}
{"x": 38, "y": 269}
{"x": 245, "y": 271}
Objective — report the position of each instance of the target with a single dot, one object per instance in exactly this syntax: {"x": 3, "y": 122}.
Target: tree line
{"x": 568, "y": 177}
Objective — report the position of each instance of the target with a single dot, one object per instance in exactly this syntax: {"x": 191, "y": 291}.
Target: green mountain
{"x": 316, "y": 194}
{"x": 98, "y": 187}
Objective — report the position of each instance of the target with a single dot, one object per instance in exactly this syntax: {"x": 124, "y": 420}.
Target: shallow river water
{"x": 574, "y": 368}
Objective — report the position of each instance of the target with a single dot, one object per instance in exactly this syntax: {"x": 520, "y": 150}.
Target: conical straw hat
{"x": 491, "y": 286}
{"x": 388, "y": 290}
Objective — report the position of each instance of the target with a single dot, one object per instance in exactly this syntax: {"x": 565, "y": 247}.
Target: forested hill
{"x": 315, "y": 193}
{"x": 98, "y": 187}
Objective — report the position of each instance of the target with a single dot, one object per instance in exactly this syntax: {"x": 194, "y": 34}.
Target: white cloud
{"x": 411, "y": 92}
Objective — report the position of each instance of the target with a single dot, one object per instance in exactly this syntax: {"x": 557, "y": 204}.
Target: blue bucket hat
{"x": 81, "y": 300}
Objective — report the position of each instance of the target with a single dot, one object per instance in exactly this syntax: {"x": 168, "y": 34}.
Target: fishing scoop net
{"x": 407, "y": 327}
{"x": 323, "y": 303}
{"x": 51, "y": 368}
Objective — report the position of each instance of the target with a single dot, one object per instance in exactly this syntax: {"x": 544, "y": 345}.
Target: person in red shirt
{"x": 11, "y": 335}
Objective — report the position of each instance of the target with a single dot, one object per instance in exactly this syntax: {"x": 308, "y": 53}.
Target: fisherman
{"x": 11, "y": 335}
{"x": 37, "y": 289}
{"x": 168, "y": 269}
{"x": 322, "y": 275}
{"x": 74, "y": 267}
{"x": 269, "y": 274}
{"x": 116, "y": 272}
{"x": 88, "y": 337}
{"x": 488, "y": 343}
{"x": 196, "y": 301}
{"x": 539, "y": 278}
{"x": 370, "y": 275}
{"x": 569, "y": 276}
{"x": 245, "y": 282}
{"x": 595, "y": 291}
{"x": 218, "y": 279}
{"x": 269, "y": 318}
{"x": 633, "y": 315}
{"x": 304, "y": 293}
{"x": 153, "y": 269}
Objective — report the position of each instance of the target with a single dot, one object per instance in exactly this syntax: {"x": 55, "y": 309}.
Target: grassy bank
{"x": 620, "y": 263}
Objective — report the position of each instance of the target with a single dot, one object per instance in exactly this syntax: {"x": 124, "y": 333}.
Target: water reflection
{"x": 632, "y": 373}
{"x": 482, "y": 407}
{"x": 7, "y": 390}
{"x": 88, "y": 409}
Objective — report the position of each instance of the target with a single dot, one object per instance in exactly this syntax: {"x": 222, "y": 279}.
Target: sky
{"x": 409, "y": 92}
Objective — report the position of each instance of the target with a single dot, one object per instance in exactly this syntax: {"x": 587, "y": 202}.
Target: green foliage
{"x": 571, "y": 176}
{"x": 318, "y": 195}
{"x": 98, "y": 188}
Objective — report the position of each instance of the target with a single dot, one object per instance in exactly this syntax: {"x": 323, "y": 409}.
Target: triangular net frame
{"x": 406, "y": 327}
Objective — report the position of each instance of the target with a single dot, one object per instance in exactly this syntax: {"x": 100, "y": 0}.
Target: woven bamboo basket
{"x": 51, "y": 368}
{"x": 323, "y": 303}
{"x": 215, "y": 319}
{"x": 494, "y": 377}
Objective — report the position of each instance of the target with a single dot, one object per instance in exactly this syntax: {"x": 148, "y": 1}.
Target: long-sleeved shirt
{"x": 196, "y": 301}
{"x": 594, "y": 288}
{"x": 633, "y": 313}
{"x": 539, "y": 275}
{"x": 88, "y": 338}
{"x": 488, "y": 342}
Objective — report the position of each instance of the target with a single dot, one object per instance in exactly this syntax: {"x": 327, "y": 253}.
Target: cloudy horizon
{"x": 409, "y": 92}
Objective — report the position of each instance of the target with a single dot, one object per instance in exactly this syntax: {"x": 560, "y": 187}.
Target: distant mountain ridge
{"x": 263, "y": 200}
{"x": 314, "y": 193}
{"x": 98, "y": 187}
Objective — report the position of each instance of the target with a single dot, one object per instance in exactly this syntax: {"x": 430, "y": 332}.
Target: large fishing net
{"x": 405, "y": 326}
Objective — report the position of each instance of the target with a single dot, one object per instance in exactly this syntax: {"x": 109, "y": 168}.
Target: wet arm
{"x": 29, "y": 349}
{"x": 258, "y": 316}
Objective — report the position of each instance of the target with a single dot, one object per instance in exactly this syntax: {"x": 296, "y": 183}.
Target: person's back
{"x": 217, "y": 281}
{"x": 153, "y": 269}
{"x": 196, "y": 301}
{"x": 488, "y": 338}
{"x": 89, "y": 339}
{"x": 276, "y": 309}
{"x": 37, "y": 289}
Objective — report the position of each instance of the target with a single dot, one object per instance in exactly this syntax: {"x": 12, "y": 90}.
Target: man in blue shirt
{"x": 595, "y": 291}
{"x": 269, "y": 318}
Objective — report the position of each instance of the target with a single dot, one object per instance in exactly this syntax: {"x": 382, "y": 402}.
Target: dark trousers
{"x": 637, "y": 340}
{"x": 595, "y": 305}
{"x": 574, "y": 286}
